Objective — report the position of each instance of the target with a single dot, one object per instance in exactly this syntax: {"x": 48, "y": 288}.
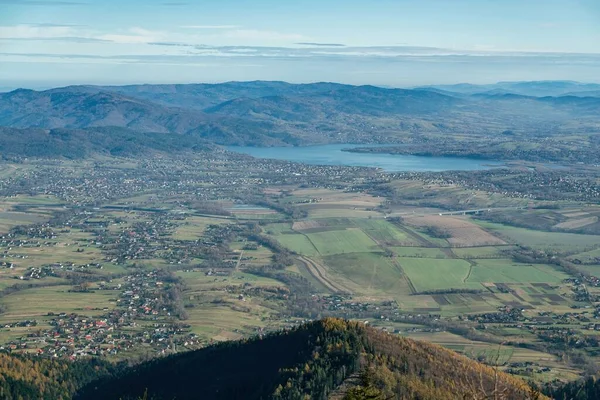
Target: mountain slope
{"x": 204, "y": 95}
{"x": 312, "y": 361}
{"x": 28, "y": 378}
{"x": 277, "y": 113}
{"x": 81, "y": 143}
{"x": 82, "y": 108}
{"x": 68, "y": 108}
{"x": 355, "y": 100}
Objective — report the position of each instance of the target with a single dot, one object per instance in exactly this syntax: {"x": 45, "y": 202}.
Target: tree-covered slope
{"x": 326, "y": 358}
{"x": 23, "y": 378}
{"x": 276, "y": 113}
{"x": 81, "y": 143}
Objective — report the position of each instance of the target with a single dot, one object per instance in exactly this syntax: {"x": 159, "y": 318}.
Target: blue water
{"x": 332, "y": 154}
{"x": 246, "y": 207}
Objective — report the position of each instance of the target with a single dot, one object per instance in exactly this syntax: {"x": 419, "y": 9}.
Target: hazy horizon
{"x": 48, "y": 43}
{"x": 40, "y": 86}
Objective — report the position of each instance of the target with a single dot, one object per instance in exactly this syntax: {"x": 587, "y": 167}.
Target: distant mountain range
{"x": 279, "y": 113}
{"x": 534, "y": 88}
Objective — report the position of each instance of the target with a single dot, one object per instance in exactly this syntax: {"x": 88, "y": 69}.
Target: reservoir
{"x": 332, "y": 154}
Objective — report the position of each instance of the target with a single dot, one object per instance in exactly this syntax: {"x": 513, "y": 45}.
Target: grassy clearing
{"x": 37, "y": 302}
{"x": 341, "y": 242}
{"x": 220, "y": 322}
{"x": 199, "y": 281}
{"x": 298, "y": 243}
{"x": 9, "y": 219}
{"x": 384, "y": 232}
{"x": 38, "y": 256}
{"x": 278, "y": 229}
{"x": 419, "y": 252}
{"x": 193, "y": 228}
{"x": 369, "y": 273}
{"x": 434, "y": 274}
{"x": 507, "y": 271}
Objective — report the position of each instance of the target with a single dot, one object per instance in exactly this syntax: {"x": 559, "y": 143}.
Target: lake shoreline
{"x": 345, "y": 155}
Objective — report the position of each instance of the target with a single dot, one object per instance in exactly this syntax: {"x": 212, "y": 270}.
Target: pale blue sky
{"x": 386, "y": 42}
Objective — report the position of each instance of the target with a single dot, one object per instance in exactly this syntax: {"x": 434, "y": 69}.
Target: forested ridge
{"x": 311, "y": 362}
{"x": 327, "y": 359}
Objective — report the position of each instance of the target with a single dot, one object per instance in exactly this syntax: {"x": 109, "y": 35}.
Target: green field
{"x": 384, "y": 232}
{"x": 277, "y": 229}
{"x": 342, "y": 212}
{"x": 480, "y": 252}
{"x": 587, "y": 257}
{"x": 343, "y": 241}
{"x": 542, "y": 240}
{"x": 369, "y": 272}
{"x": 507, "y": 271}
{"x": 419, "y": 252}
{"x": 193, "y": 227}
{"x": 9, "y": 219}
{"x": 590, "y": 269}
{"x": 297, "y": 243}
{"x": 37, "y": 302}
{"x": 433, "y": 274}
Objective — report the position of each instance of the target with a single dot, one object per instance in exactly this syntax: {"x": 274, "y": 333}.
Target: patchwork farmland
{"x": 436, "y": 263}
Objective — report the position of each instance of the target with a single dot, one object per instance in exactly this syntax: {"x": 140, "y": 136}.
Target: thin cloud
{"x": 256, "y": 52}
{"x": 50, "y": 25}
{"x": 70, "y": 39}
{"x": 210, "y": 27}
{"x": 321, "y": 44}
{"x": 43, "y": 3}
{"x": 170, "y": 44}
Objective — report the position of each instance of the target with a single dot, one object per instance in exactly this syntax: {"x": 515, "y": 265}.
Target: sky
{"x": 46, "y": 43}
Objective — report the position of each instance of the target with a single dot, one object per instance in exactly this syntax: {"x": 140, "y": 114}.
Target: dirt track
{"x": 318, "y": 272}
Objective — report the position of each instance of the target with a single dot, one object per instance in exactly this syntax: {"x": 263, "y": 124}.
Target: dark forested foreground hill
{"x": 326, "y": 359}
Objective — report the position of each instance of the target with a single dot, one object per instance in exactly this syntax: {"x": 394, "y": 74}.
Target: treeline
{"x": 587, "y": 389}
{"x": 450, "y": 291}
{"x": 437, "y": 232}
{"x": 209, "y": 208}
{"x": 282, "y": 257}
